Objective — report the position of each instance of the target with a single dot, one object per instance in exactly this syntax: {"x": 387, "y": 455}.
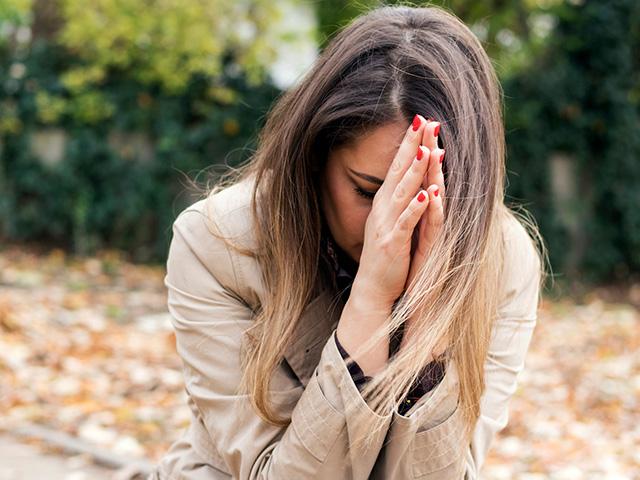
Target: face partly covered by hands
{"x": 354, "y": 173}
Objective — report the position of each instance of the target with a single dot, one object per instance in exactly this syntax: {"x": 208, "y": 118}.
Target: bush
{"x": 128, "y": 151}
{"x": 580, "y": 99}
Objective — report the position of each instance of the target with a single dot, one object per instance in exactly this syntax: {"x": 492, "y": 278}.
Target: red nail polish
{"x": 421, "y": 197}
{"x": 419, "y": 154}
{"x": 436, "y": 130}
{"x": 435, "y": 192}
{"x": 442, "y": 155}
{"x": 416, "y": 122}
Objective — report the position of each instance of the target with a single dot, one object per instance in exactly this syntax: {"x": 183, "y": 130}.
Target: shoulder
{"x": 521, "y": 269}
{"x": 226, "y": 213}
{"x": 519, "y": 245}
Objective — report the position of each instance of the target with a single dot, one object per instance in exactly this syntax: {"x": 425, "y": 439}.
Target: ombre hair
{"x": 385, "y": 66}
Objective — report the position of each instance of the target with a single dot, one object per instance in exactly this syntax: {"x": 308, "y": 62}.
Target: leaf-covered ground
{"x": 86, "y": 347}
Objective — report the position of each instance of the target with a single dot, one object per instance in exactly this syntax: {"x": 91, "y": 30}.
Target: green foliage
{"x": 580, "y": 98}
{"x": 165, "y": 42}
{"x": 139, "y": 96}
{"x": 571, "y": 75}
{"x": 148, "y": 99}
{"x": 512, "y": 31}
{"x": 335, "y": 14}
{"x": 106, "y": 192}
{"x": 15, "y": 12}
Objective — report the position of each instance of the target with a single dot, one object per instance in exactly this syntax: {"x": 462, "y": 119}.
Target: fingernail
{"x": 435, "y": 192}
{"x": 442, "y": 155}
{"x": 416, "y": 122}
{"x": 420, "y": 153}
{"x": 421, "y": 197}
{"x": 436, "y": 130}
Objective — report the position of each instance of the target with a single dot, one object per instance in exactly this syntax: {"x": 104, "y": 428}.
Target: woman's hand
{"x": 431, "y": 222}
{"x": 397, "y": 207}
{"x": 433, "y": 182}
{"x": 384, "y": 263}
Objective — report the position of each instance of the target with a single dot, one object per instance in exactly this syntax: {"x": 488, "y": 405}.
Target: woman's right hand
{"x": 397, "y": 207}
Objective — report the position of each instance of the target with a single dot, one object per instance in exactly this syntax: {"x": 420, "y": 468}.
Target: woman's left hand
{"x": 430, "y": 224}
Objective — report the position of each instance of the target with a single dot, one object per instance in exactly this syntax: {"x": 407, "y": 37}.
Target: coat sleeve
{"x": 427, "y": 441}
{"x": 431, "y": 376}
{"x": 511, "y": 336}
{"x": 209, "y": 317}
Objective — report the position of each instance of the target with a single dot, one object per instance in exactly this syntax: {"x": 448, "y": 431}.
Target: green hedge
{"x": 104, "y": 195}
{"x": 581, "y": 99}
{"x": 577, "y": 96}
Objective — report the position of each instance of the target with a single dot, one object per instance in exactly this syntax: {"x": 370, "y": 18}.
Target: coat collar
{"x": 318, "y": 320}
{"x": 321, "y": 315}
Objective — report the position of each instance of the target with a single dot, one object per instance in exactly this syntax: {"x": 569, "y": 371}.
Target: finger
{"x": 430, "y": 134}
{"x": 403, "y": 157}
{"x": 434, "y": 218}
{"x": 415, "y": 237}
{"x": 422, "y": 248}
{"x": 408, "y": 185}
{"x": 408, "y": 219}
{"x": 434, "y": 173}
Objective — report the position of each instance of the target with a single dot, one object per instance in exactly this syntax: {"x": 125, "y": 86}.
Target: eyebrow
{"x": 368, "y": 178}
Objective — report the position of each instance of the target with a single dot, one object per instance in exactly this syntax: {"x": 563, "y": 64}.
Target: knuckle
{"x": 403, "y": 224}
{"x": 396, "y": 166}
{"x": 386, "y": 243}
{"x": 406, "y": 221}
{"x": 378, "y": 234}
{"x": 400, "y": 192}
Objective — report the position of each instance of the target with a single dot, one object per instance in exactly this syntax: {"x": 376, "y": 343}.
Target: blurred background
{"x": 114, "y": 112}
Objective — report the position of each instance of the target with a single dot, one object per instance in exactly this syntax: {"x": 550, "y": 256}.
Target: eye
{"x": 364, "y": 193}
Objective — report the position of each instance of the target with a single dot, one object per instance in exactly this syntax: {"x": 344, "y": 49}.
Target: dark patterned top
{"x": 345, "y": 269}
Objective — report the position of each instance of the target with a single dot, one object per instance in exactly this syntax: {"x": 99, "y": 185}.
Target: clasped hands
{"x": 429, "y": 226}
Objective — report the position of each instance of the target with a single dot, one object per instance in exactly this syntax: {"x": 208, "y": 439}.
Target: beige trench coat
{"x": 212, "y": 292}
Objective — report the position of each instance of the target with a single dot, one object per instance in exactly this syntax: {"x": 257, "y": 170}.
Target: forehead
{"x": 373, "y": 152}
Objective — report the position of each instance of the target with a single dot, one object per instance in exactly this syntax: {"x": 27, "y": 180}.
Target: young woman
{"x": 352, "y": 304}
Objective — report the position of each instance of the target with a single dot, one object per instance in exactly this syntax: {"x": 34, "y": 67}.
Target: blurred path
{"x": 88, "y": 363}
{"x": 20, "y": 461}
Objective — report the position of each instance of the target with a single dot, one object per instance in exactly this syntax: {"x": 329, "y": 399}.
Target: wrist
{"x": 360, "y": 318}
{"x": 367, "y": 299}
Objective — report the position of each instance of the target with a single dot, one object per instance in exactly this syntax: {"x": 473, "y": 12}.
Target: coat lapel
{"x": 318, "y": 320}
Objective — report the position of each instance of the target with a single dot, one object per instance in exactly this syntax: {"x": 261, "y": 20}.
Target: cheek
{"x": 353, "y": 212}
{"x": 359, "y": 222}
{"x": 350, "y": 211}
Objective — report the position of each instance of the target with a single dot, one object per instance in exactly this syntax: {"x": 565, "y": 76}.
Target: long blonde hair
{"x": 388, "y": 64}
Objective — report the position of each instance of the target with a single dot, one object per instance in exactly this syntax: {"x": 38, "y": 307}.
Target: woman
{"x": 350, "y": 305}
